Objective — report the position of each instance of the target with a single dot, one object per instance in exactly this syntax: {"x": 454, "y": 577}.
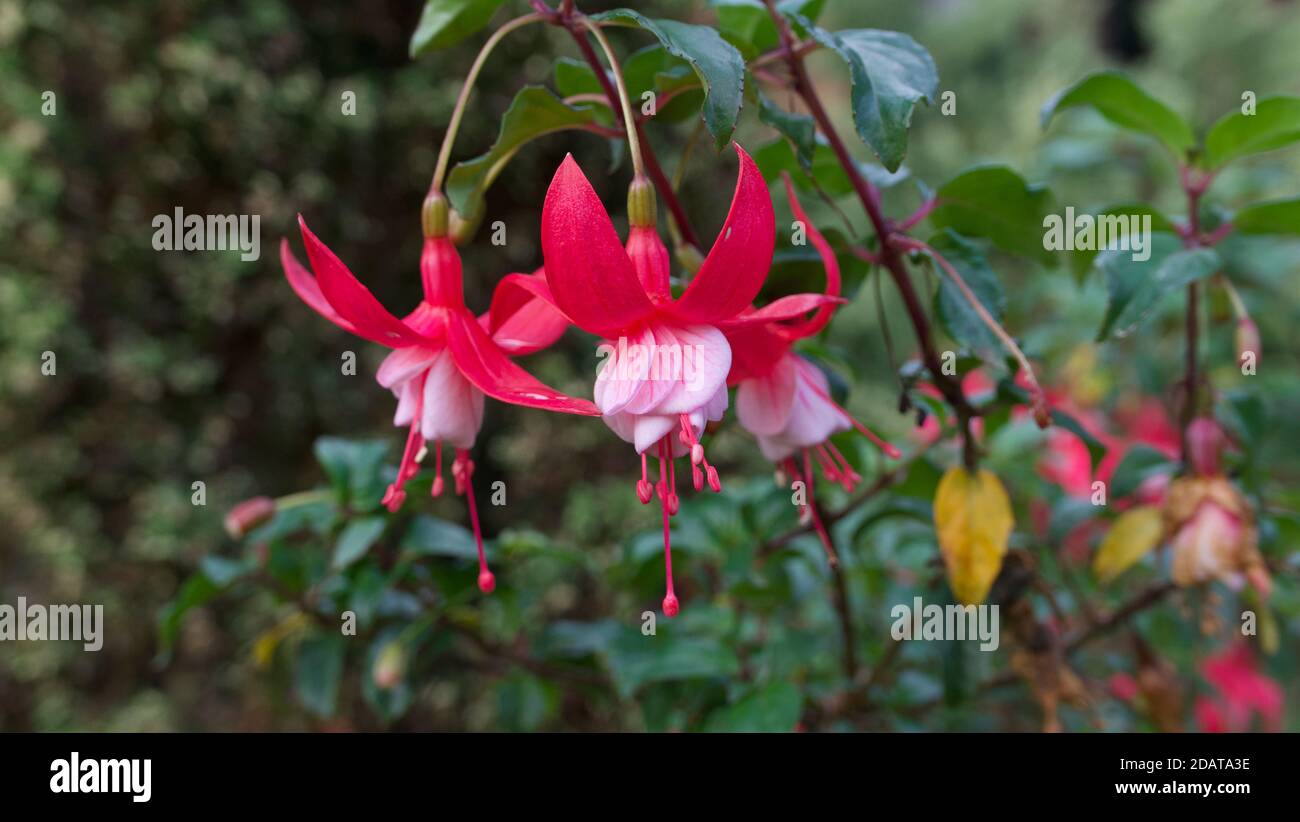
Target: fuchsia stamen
{"x": 687, "y": 436}
{"x": 888, "y": 449}
{"x": 671, "y": 606}
{"x": 409, "y": 467}
{"x": 437, "y": 469}
{"x": 831, "y": 556}
{"x": 463, "y": 470}
{"x": 644, "y": 490}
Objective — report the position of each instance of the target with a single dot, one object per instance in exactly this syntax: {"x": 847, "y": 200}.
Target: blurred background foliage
{"x": 176, "y": 367}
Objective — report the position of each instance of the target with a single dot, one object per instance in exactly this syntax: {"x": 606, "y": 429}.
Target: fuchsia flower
{"x": 1243, "y": 692}
{"x": 444, "y": 359}
{"x": 784, "y": 400}
{"x": 666, "y": 360}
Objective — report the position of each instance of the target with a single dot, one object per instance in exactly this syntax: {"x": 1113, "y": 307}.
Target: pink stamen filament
{"x": 437, "y": 469}
{"x": 671, "y": 606}
{"x": 831, "y": 557}
{"x": 395, "y": 495}
{"x": 888, "y": 449}
{"x": 697, "y": 450}
{"x": 464, "y": 467}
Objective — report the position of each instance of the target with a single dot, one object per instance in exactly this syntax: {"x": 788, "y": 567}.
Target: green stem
{"x": 444, "y": 153}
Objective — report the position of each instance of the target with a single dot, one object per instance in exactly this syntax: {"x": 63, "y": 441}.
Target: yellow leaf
{"x": 266, "y": 643}
{"x": 1132, "y": 537}
{"x": 972, "y": 516}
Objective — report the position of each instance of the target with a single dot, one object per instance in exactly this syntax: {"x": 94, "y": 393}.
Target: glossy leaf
{"x": 772, "y": 708}
{"x": 1276, "y": 217}
{"x": 445, "y": 23}
{"x": 319, "y": 669}
{"x": 891, "y": 73}
{"x": 1275, "y": 124}
{"x": 996, "y": 203}
{"x": 356, "y": 539}
{"x": 952, "y": 308}
{"x": 534, "y": 112}
{"x": 1117, "y": 98}
{"x": 1136, "y": 287}
{"x": 720, "y": 67}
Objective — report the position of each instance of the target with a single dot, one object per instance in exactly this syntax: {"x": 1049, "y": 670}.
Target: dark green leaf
{"x": 771, "y": 708}
{"x": 357, "y": 537}
{"x": 953, "y": 310}
{"x": 1135, "y": 287}
{"x": 320, "y": 666}
{"x": 720, "y": 67}
{"x": 1138, "y": 463}
{"x": 799, "y": 129}
{"x": 637, "y": 660}
{"x": 1276, "y": 217}
{"x": 1120, "y": 100}
{"x": 996, "y": 203}
{"x": 534, "y": 112}
{"x": 890, "y": 74}
{"x": 1275, "y": 123}
{"x": 429, "y": 536}
{"x": 388, "y": 703}
{"x": 749, "y": 22}
{"x": 1081, "y": 259}
{"x": 355, "y": 469}
{"x": 445, "y": 23}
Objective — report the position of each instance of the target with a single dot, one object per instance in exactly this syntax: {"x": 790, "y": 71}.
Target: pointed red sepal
{"x": 520, "y": 321}
{"x": 589, "y": 273}
{"x": 491, "y": 372}
{"x": 308, "y": 290}
{"x": 734, "y": 270}
{"x": 352, "y": 300}
{"x": 832, "y": 265}
{"x": 786, "y": 308}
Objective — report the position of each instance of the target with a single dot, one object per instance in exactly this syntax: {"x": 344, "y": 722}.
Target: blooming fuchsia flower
{"x": 785, "y": 401}
{"x": 444, "y": 359}
{"x": 666, "y": 360}
{"x": 1244, "y": 692}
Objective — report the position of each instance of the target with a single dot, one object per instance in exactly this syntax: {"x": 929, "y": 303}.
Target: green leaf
{"x": 388, "y": 703}
{"x": 890, "y": 74}
{"x": 749, "y": 22}
{"x": 1117, "y": 98}
{"x": 355, "y": 469}
{"x": 1136, "y": 286}
{"x": 1275, "y": 123}
{"x": 799, "y": 129}
{"x": 196, "y": 590}
{"x": 534, "y": 112}
{"x": 573, "y": 76}
{"x": 445, "y": 23}
{"x": 1276, "y": 217}
{"x": 320, "y": 667}
{"x": 772, "y": 708}
{"x": 430, "y": 536}
{"x": 636, "y": 660}
{"x": 1138, "y": 463}
{"x": 996, "y": 203}
{"x": 356, "y": 539}
{"x": 959, "y": 319}
{"x": 1081, "y": 259}
{"x": 720, "y": 67}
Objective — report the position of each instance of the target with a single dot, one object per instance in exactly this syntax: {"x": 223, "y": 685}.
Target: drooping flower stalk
{"x": 629, "y": 119}
{"x": 458, "y": 112}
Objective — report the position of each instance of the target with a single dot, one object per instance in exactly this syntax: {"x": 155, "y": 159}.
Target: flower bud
{"x": 434, "y": 215}
{"x": 462, "y": 227}
{"x": 1205, "y": 440}
{"x": 641, "y": 203}
{"x": 247, "y": 515}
